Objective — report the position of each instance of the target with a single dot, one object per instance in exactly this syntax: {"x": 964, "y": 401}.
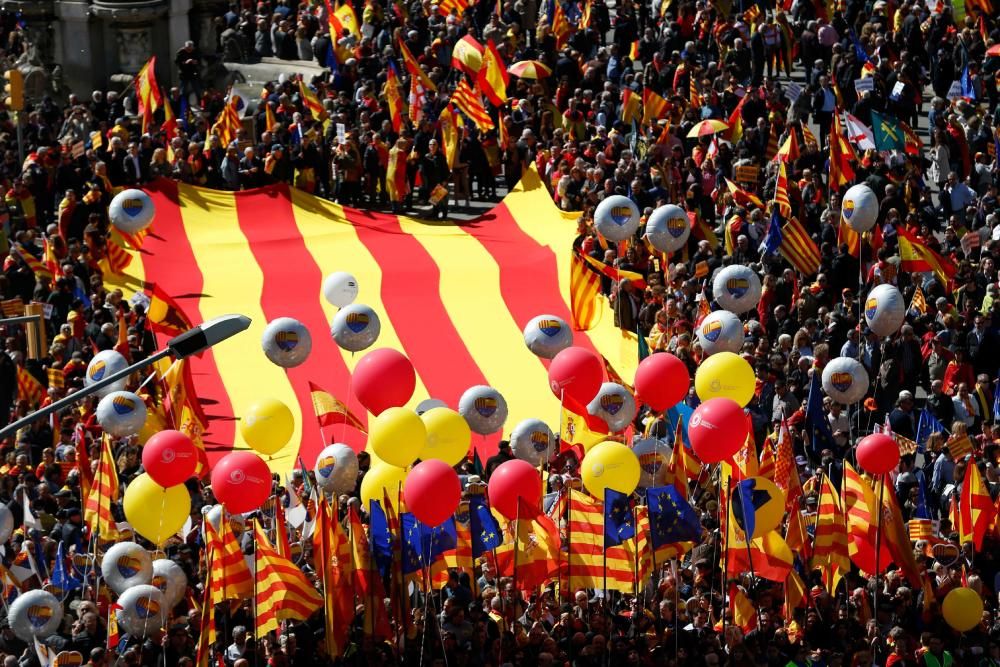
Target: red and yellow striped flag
{"x": 585, "y": 287}
{"x": 311, "y": 101}
{"x": 103, "y": 492}
{"x": 631, "y": 106}
{"x": 781, "y": 199}
{"x": 164, "y": 314}
{"x": 919, "y": 301}
{"x": 959, "y": 445}
{"x": 471, "y": 104}
{"x": 228, "y": 123}
{"x": 207, "y": 634}
{"x": 367, "y": 582}
{"x": 283, "y": 591}
{"x": 231, "y": 579}
{"x": 118, "y": 257}
{"x": 29, "y": 388}
{"x": 683, "y": 465}
{"x": 36, "y": 266}
{"x": 789, "y": 151}
{"x": 917, "y": 256}
{"x": 332, "y": 559}
{"x": 841, "y": 154}
{"x": 741, "y": 610}
{"x": 830, "y": 550}
{"x": 859, "y": 506}
{"x": 765, "y": 466}
{"x": 798, "y": 248}
{"x": 654, "y": 107}
{"x": 587, "y": 552}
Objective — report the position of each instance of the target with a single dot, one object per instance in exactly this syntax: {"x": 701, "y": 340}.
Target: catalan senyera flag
{"x": 798, "y": 248}
{"x": 781, "y": 199}
{"x": 918, "y": 257}
{"x": 860, "y": 507}
{"x": 207, "y": 633}
{"x": 333, "y": 561}
{"x": 231, "y": 578}
{"x": 330, "y": 410}
{"x": 480, "y": 285}
{"x": 29, "y": 388}
{"x": 471, "y": 104}
{"x": 311, "y": 101}
{"x": 97, "y": 506}
{"x": 117, "y": 256}
{"x": 585, "y": 288}
{"x": 36, "y": 265}
{"x": 586, "y": 567}
{"x": 446, "y": 7}
{"x": 830, "y": 550}
{"x": 413, "y": 67}
{"x": 654, "y": 107}
{"x": 919, "y": 301}
{"x": 493, "y": 76}
{"x": 282, "y": 591}
{"x": 975, "y": 505}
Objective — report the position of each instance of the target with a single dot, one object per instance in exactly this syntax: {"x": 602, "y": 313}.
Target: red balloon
{"x": 383, "y": 379}
{"x": 576, "y": 373}
{"x": 432, "y": 492}
{"x": 662, "y": 381}
{"x": 864, "y": 556}
{"x": 512, "y": 480}
{"x": 170, "y": 458}
{"x": 878, "y": 453}
{"x": 718, "y": 429}
{"x": 241, "y": 481}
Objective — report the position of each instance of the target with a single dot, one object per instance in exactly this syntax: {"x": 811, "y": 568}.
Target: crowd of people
{"x": 783, "y": 71}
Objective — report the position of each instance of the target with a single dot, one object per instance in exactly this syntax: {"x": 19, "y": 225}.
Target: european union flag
{"x": 968, "y": 90}
{"x": 485, "y": 529}
{"x": 619, "y": 523}
{"x": 381, "y": 538}
{"x": 423, "y": 544}
{"x": 773, "y": 237}
{"x": 671, "y": 518}
{"x": 859, "y": 51}
{"x": 747, "y": 499}
{"x": 820, "y": 436}
{"x": 921, "y": 511}
{"x": 62, "y": 578}
{"x": 927, "y": 425}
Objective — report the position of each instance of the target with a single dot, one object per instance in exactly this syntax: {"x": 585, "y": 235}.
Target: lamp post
{"x": 193, "y": 341}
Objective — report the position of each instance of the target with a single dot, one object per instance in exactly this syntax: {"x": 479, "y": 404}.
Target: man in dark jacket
{"x": 435, "y": 172}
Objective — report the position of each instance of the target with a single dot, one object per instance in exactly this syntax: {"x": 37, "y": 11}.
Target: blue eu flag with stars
{"x": 381, "y": 538}
{"x": 423, "y": 544}
{"x": 671, "y": 518}
{"x": 619, "y": 523}
{"x": 485, "y": 529}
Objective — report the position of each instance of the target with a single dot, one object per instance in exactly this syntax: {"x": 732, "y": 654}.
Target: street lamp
{"x": 193, "y": 341}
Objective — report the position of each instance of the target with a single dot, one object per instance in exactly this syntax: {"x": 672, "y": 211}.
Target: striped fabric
{"x": 683, "y": 465}
{"x": 471, "y": 104}
{"x": 587, "y": 553}
{"x": 207, "y": 633}
{"x": 448, "y": 6}
{"x": 786, "y": 476}
{"x": 798, "y": 248}
{"x": 29, "y": 388}
{"x": 654, "y": 107}
{"x": 859, "y": 506}
{"x": 229, "y": 124}
{"x": 118, "y": 257}
{"x": 282, "y": 591}
{"x": 57, "y": 379}
{"x": 333, "y": 561}
{"x": 919, "y": 301}
{"x": 36, "y": 266}
{"x": 231, "y": 579}
{"x": 460, "y": 558}
{"x": 393, "y": 99}
{"x": 585, "y": 288}
{"x": 97, "y": 507}
{"x": 330, "y": 410}
{"x": 830, "y": 551}
{"x": 479, "y": 286}
{"x": 959, "y": 445}
{"x": 781, "y": 191}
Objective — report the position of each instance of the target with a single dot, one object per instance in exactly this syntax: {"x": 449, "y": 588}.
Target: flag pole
{"x": 569, "y": 542}
{"x": 517, "y": 530}
{"x": 635, "y": 539}
{"x": 878, "y": 544}
{"x": 604, "y": 561}
{"x": 255, "y": 573}
{"x": 747, "y": 537}
{"x": 725, "y": 548}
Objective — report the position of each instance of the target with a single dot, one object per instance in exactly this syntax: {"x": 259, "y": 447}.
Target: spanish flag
{"x": 654, "y": 107}
{"x": 631, "y": 104}
{"x": 341, "y": 19}
{"x": 413, "y": 67}
{"x": 467, "y": 56}
{"x": 448, "y": 122}
{"x": 164, "y": 314}
{"x": 633, "y": 53}
{"x": 493, "y": 77}
{"x": 917, "y": 257}
{"x": 330, "y": 410}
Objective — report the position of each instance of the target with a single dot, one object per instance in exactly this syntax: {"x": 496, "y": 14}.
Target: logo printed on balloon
{"x": 160, "y": 582}
{"x": 147, "y": 608}
{"x": 848, "y": 208}
{"x": 326, "y": 465}
{"x": 287, "y": 340}
{"x": 168, "y": 455}
{"x": 842, "y": 381}
{"x": 698, "y": 421}
{"x": 123, "y": 405}
{"x": 712, "y": 330}
{"x": 132, "y": 207}
{"x": 612, "y": 403}
{"x": 357, "y": 322}
{"x": 650, "y": 463}
{"x": 39, "y": 615}
{"x": 738, "y": 286}
{"x": 597, "y": 469}
{"x": 621, "y": 214}
{"x": 677, "y": 226}
{"x": 238, "y": 477}
{"x": 486, "y": 406}
{"x": 871, "y": 305}
{"x": 128, "y": 566}
{"x": 550, "y": 327}
{"x": 539, "y": 440}
{"x": 97, "y": 370}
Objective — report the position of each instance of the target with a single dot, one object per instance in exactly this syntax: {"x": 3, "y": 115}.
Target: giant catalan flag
{"x": 468, "y": 289}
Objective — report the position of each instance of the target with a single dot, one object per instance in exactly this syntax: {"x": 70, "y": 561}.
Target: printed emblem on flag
{"x": 123, "y": 405}
{"x": 550, "y": 327}
{"x": 39, "y": 615}
{"x": 621, "y": 215}
{"x": 842, "y": 381}
{"x": 738, "y": 286}
{"x": 612, "y": 403}
{"x": 287, "y": 340}
{"x": 848, "y": 208}
{"x": 712, "y": 330}
{"x": 676, "y": 226}
{"x": 357, "y": 322}
{"x": 539, "y": 440}
{"x": 97, "y": 370}
{"x": 486, "y": 406}
{"x": 326, "y": 465}
{"x": 128, "y": 566}
{"x": 871, "y": 307}
{"x": 132, "y": 207}
{"x": 650, "y": 462}
{"x": 147, "y": 608}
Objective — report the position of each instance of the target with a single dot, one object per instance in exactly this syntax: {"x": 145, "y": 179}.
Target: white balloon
{"x": 616, "y": 218}
{"x": 125, "y": 565}
{"x": 131, "y": 211}
{"x": 532, "y": 440}
{"x": 653, "y": 455}
{"x": 547, "y": 335}
{"x": 101, "y": 366}
{"x": 860, "y": 208}
{"x": 6, "y": 523}
{"x": 736, "y": 288}
{"x": 720, "y": 331}
{"x": 615, "y": 405}
{"x": 337, "y": 469}
{"x": 884, "y": 310}
{"x": 340, "y": 289}
{"x": 668, "y": 228}
{"x": 845, "y": 380}
{"x": 429, "y": 404}
{"x": 36, "y": 613}
{"x": 355, "y": 327}
{"x": 169, "y": 579}
{"x": 484, "y": 408}
{"x": 143, "y": 609}
{"x": 286, "y": 342}
{"x": 121, "y": 413}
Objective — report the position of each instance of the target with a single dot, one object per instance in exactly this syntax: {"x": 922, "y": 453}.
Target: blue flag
{"x": 921, "y": 511}
{"x": 671, "y": 518}
{"x": 927, "y": 425}
{"x": 381, "y": 538}
{"x": 423, "y": 544}
{"x": 619, "y": 523}
{"x": 773, "y": 237}
{"x": 968, "y": 90}
{"x": 859, "y": 51}
{"x": 62, "y": 578}
{"x": 996, "y": 389}
{"x": 486, "y": 533}
{"x": 683, "y": 412}
{"x": 817, "y": 426}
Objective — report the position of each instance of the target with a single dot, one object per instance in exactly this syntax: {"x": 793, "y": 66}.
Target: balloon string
{"x": 347, "y": 403}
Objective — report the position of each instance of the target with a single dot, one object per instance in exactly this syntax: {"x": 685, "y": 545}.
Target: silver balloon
{"x": 653, "y": 455}
{"x": 616, "y": 218}
{"x": 533, "y": 441}
{"x": 131, "y": 211}
{"x": 104, "y": 364}
{"x": 143, "y": 609}
{"x": 736, "y": 288}
{"x": 720, "y": 331}
{"x": 860, "y": 208}
{"x": 845, "y": 380}
{"x": 6, "y": 523}
{"x": 169, "y": 579}
{"x": 484, "y": 408}
{"x": 214, "y": 513}
{"x": 429, "y": 404}
{"x": 121, "y": 413}
{"x": 340, "y": 289}
{"x": 125, "y": 565}
{"x": 668, "y": 228}
{"x": 547, "y": 335}
{"x": 337, "y": 469}
{"x": 36, "y": 613}
{"x": 615, "y": 405}
{"x": 355, "y": 327}
{"x": 884, "y": 310}
{"x": 286, "y": 342}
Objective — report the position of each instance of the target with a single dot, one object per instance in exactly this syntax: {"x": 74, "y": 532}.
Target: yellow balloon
{"x": 448, "y": 436}
{"x": 382, "y": 480}
{"x": 154, "y": 512}
{"x": 610, "y": 465}
{"x": 770, "y": 508}
{"x": 267, "y": 425}
{"x": 397, "y": 436}
{"x": 962, "y": 609}
{"x": 726, "y": 375}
